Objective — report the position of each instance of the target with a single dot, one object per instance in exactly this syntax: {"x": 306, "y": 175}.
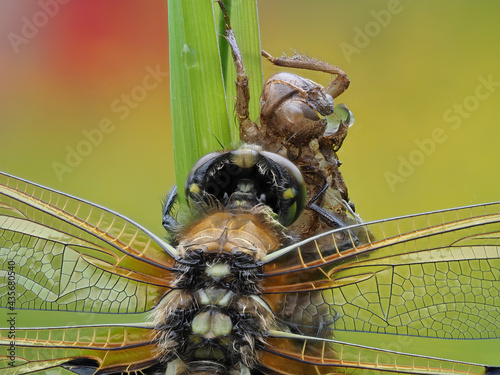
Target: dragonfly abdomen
{"x": 214, "y": 321}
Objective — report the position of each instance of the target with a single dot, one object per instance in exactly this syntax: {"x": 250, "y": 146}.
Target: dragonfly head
{"x": 246, "y": 177}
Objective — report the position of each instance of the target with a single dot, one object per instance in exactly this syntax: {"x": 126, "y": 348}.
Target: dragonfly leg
{"x": 323, "y": 214}
{"x": 297, "y": 61}
{"x": 248, "y": 129}
{"x": 169, "y": 222}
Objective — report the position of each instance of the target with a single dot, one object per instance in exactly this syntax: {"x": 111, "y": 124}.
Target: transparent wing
{"x": 80, "y": 349}
{"x": 432, "y": 275}
{"x": 293, "y": 354}
{"x": 62, "y": 253}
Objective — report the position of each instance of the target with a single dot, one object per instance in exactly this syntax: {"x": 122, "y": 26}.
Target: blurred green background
{"x": 418, "y": 69}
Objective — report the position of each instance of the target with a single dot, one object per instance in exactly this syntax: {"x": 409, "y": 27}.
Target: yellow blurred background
{"x": 84, "y": 97}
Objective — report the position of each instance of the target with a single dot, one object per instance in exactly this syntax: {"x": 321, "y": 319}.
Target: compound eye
{"x": 246, "y": 177}
{"x": 293, "y": 195}
{"x": 195, "y": 180}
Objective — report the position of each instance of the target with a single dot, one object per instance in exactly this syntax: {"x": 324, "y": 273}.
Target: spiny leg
{"x": 297, "y": 61}
{"x": 344, "y": 239}
{"x": 169, "y": 221}
{"x": 323, "y": 214}
{"x": 248, "y": 129}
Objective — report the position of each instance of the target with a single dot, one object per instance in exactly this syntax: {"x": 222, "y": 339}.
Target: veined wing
{"x": 64, "y": 253}
{"x": 297, "y": 355}
{"x": 431, "y": 275}
{"x": 80, "y": 349}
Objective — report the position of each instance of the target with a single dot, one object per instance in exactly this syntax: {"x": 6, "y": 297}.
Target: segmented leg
{"x": 248, "y": 129}
{"x": 324, "y": 215}
{"x": 169, "y": 221}
{"x": 334, "y": 88}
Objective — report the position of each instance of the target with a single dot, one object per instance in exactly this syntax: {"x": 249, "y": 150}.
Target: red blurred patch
{"x": 92, "y": 42}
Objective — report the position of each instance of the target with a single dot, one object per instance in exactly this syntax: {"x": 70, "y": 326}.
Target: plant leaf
{"x": 200, "y": 119}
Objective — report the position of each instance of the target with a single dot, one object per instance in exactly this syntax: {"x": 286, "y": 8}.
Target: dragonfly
{"x": 432, "y": 275}
{"x": 238, "y": 293}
